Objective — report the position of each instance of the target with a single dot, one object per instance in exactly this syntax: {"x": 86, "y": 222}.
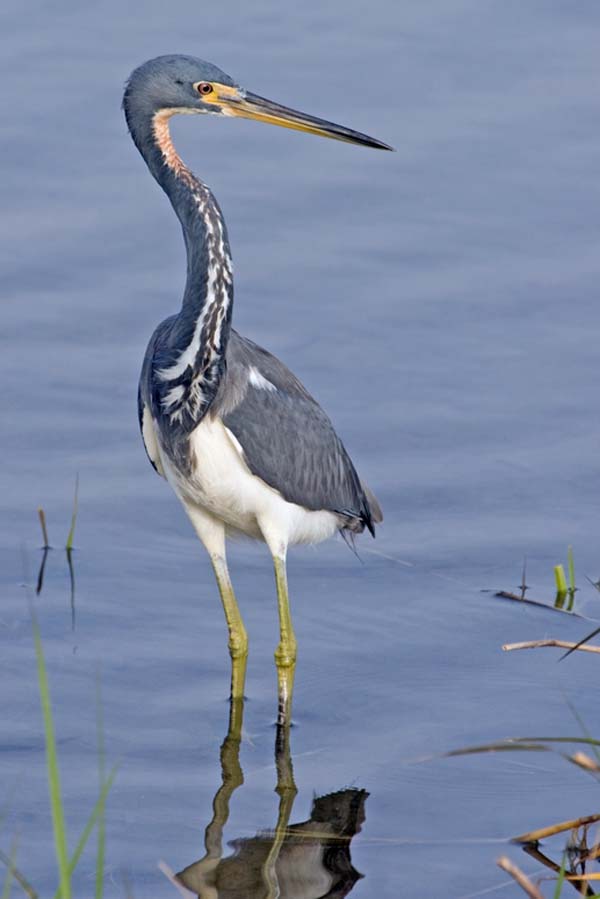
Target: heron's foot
{"x": 285, "y": 654}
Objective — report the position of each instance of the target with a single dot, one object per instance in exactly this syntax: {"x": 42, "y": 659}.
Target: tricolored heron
{"x": 244, "y": 446}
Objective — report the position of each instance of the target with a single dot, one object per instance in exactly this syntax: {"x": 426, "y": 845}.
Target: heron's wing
{"x": 149, "y": 434}
{"x": 146, "y": 406}
{"x": 287, "y": 439}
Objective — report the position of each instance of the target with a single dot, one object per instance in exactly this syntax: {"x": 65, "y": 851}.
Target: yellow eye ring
{"x": 204, "y": 88}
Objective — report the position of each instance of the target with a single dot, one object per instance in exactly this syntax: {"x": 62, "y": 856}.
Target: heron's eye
{"x": 204, "y": 88}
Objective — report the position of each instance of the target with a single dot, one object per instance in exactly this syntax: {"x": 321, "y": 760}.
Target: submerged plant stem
{"x": 10, "y": 872}
{"x": 16, "y": 874}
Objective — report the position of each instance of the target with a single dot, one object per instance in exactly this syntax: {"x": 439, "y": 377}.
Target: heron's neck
{"x": 197, "y": 343}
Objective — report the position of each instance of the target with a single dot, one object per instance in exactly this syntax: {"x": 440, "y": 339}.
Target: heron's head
{"x": 184, "y": 84}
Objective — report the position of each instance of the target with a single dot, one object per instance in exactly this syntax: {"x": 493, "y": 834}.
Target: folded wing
{"x": 287, "y": 439}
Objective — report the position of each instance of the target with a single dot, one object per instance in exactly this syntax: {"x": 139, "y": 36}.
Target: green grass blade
{"x": 516, "y": 745}
{"x": 571, "y": 566}
{"x": 69, "y": 544}
{"x": 561, "y": 581}
{"x": 81, "y": 844}
{"x": 58, "y": 820}
{"x": 561, "y": 877}
{"x": 42, "y": 517}
{"x": 100, "y": 854}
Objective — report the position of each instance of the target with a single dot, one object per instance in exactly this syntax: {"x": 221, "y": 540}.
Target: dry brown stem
{"x": 533, "y": 836}
{"x": 522, "y": 879}
{"x": 560, "y": 644}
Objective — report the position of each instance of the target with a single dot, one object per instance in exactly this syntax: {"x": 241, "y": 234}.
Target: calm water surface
{"x": 441, "y": 303}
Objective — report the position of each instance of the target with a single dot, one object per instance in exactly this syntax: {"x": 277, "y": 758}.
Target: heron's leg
{"x": 238, "y": 640}
{"x": 285, "y": 654}
{"x": 211, "y": 532}
{"x": 275, "y": 535}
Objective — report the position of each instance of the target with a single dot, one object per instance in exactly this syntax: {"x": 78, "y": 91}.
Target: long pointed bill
{"x": 251, "y": 106}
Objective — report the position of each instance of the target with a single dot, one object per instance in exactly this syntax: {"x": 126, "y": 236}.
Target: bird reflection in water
{"x": 309, "y": 860}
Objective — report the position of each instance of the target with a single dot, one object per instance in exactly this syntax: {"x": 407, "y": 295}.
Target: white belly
{"x": 222, "y": 484}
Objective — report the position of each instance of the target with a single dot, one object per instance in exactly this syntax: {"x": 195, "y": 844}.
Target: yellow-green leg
{"x": 211, "y": 532}
{"x": 238, "y": 639}
{"x": 285, "y": 654}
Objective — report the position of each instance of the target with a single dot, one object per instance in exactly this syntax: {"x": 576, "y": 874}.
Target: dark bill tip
{"x": 252, "y": 106}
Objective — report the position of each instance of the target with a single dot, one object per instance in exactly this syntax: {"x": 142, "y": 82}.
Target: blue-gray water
{"x": 440, "y": 302}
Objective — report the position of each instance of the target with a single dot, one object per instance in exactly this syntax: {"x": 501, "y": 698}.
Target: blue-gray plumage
{"x": 302, "y": 457}
{"x": 240, "y": 440}
{"x": 288, "y": 440}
